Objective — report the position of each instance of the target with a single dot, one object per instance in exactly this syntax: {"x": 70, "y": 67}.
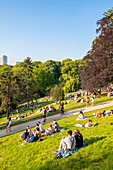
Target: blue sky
{"x": 49, "y": 29}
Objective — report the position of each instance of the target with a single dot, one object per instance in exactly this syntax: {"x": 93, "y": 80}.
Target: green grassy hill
{"x": 16, "y": 154}
{"x": 72, "y": 105}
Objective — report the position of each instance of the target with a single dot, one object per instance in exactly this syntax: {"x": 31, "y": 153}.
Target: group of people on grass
{"x": 52, "y": 109}
{"x": 39, "y": 131}
{"x": 99, "y": 114}
{"x": 103, "y": 113}
{"x": 70, "y": 144}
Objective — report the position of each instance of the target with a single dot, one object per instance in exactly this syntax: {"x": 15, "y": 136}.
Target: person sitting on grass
{"x": 81, "y": 116}
{"x": 42, "y": 130}
{"x": 25, "y": 135}
{"x": 50, "y": 130}
{"x": 79, "y": 139}
{"x": 50, "y": 108}
{"x": 35, "y": 136}
{"x": 56, "y": 126}
{"x": 37, "y": 126}
{"x": 88, "y": 124}
{"x": 67, "y": 144}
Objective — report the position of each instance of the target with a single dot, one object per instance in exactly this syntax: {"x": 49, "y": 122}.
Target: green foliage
{"x": 43, "y": 81}
{"x": 31, "y": 80}
{"x": 70, "y": 78}
{"x": 7, "y": 89}
{"x": 57, "y": 93}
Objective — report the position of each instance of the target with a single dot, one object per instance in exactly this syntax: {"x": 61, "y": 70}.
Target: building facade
{"x": 3, "y": 59}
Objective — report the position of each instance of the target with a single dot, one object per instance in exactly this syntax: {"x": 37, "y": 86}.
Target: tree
{"x": 28, "y": 81}
{"x": 54, "y": 67}
{"x": 7, "y": 90}
{"x": 46, "y": 75}
{"x": 57, "y": 93}
{"x": 98, "y": 69}
{"x": 70, "y": 78}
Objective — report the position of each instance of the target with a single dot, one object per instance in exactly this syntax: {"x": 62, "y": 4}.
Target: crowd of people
{"x": 69, "y": 144}
{"x": 39, "y": 131}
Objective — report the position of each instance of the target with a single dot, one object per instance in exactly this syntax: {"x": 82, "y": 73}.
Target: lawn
{"x": 71, "y": 106}
{"x": 18, "y": 155}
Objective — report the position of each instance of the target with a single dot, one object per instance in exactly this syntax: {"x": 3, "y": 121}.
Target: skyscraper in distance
{"x": 3, "y": 59}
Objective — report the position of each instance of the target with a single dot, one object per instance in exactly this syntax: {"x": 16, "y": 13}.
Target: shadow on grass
{"x": 93, "y": 140}
{"x": 79, "y": 160}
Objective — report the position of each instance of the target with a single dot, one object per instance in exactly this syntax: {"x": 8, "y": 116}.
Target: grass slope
{"x": 71, "y": 106}
{"x": 98, "y": 155}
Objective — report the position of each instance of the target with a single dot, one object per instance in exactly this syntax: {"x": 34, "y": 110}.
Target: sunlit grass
{"x": 70, "y": 106}
{"x": 18, "y": 155}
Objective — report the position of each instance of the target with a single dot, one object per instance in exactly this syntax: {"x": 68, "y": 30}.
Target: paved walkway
{"x": 21, "y": 127}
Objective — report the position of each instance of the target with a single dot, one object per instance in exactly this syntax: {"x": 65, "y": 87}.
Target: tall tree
{"x": 7, "y": 89}
{"x": 98, "y": 69}
{"x": 28, "y": 80}
{"x": 70, "y": 78}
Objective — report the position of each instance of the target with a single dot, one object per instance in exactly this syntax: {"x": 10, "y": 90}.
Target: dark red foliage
{"x": 98, "y": 70}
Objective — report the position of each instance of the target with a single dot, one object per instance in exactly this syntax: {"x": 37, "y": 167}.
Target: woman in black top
{"x": 78, "y": 138}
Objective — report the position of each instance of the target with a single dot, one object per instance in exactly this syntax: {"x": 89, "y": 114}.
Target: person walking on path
{"x": 61, "y": 109}
{"x": 92, "y": 101}
{"x": 87, "y": 101}
{"x": 8, "y": 125}
{"x": 44, "y": 114}
{"x": 32, "y": 123}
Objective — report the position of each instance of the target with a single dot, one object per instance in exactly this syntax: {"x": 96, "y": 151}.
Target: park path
{"x": 32, "y": 123}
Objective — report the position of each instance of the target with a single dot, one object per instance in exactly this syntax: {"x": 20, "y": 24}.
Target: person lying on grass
{"x": 88, "y": 124}
{"x": 103, "y": 114}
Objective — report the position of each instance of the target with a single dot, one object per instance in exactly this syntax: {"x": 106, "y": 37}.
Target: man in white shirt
{"x": 68, "y": 143}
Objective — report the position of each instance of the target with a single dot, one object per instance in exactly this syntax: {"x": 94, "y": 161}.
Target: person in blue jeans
{"x": 34, "y": 137}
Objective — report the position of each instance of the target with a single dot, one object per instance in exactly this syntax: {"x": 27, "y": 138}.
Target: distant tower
{"x": 3, "y": 59}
